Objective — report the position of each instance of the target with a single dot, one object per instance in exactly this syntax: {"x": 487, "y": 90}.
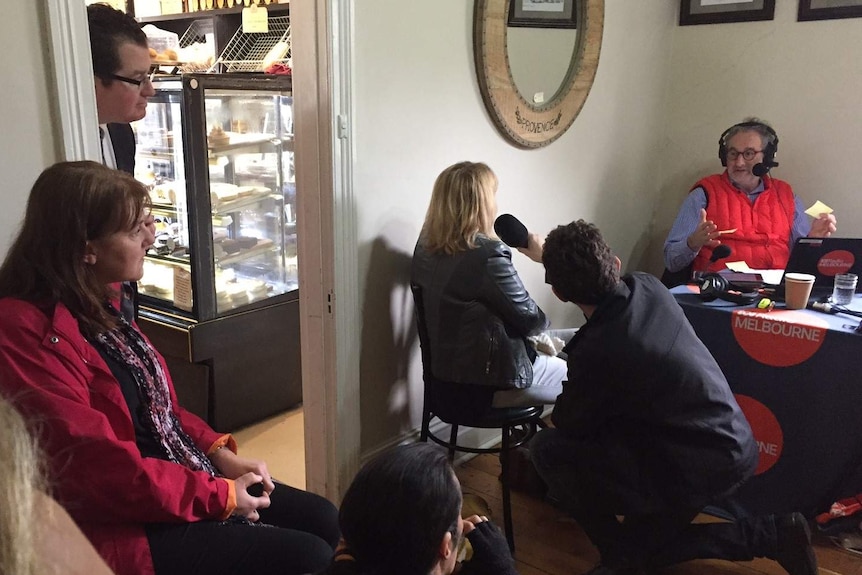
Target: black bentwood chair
{"x": 468, "y": 405}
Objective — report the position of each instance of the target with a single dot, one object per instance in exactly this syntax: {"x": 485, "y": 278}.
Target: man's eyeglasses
{"x": 139, "y": 84}
{"x": 748, "y": 154}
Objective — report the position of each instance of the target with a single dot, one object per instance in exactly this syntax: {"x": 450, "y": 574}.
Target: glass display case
{"x": 219, "y": 294}
{"x": 216, "y": 152}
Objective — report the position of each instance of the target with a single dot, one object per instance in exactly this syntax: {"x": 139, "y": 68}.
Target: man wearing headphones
{"x": 757, "y": 216}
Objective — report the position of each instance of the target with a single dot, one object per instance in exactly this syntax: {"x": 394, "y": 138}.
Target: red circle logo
{"x": 766, "y": 429}
{"x": 835, "y": 262}
{"x": 779, "y": 338}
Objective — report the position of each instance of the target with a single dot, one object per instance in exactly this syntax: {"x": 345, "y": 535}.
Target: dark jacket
{"x": 123, "y": 142}
{"x": 478, "y": 314}
{"x": 649, "y": 409}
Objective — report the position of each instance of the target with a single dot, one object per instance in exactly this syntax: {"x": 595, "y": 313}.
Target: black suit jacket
{"x": 123, "y": 140}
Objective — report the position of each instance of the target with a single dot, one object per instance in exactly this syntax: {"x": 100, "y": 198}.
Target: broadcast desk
{"x": 797, "y": 375}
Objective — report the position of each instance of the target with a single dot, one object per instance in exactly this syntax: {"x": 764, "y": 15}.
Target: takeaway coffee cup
{"x": 797, "y": 290}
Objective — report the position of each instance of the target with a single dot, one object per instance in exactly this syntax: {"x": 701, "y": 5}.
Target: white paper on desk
{"x": 739, "y": 266}
{"x": 818, "y": 208}
{"x": 770, "y": 276}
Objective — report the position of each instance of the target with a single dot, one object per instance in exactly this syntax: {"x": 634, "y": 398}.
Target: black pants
{"x": 654, "y": 539}
{"x": 300, "y": 535}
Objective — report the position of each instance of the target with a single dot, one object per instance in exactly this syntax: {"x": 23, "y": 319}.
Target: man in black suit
{"x": 647, "y": 427}
{"x": 121, "y": 65}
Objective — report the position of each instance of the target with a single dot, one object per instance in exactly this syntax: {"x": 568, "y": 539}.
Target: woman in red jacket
{"x": 153, "y": 487}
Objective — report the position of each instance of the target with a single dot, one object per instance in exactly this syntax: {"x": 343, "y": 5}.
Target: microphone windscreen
{"x": 760, "y": 169}
{"x": 720, "y": 252}
{"x": 511, "y": 231}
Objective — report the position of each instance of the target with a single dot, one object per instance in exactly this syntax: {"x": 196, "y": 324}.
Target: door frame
{"x": 322, "y": 35}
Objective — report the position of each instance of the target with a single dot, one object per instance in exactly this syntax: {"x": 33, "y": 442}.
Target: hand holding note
{"x": 824, "y": 224}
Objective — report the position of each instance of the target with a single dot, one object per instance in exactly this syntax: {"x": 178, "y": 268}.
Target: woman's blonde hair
{"x": 463, "y": 204}
{"x": 21, "y": 482}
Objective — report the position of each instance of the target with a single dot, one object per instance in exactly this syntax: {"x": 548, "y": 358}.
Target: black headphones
{"x": 769, "y": 150}
{"x": 715, "y": 286}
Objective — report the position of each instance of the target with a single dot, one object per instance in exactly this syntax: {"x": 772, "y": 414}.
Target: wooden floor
{"x": 547, "y": 542}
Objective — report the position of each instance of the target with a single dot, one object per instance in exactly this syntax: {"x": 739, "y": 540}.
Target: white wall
{"x": 648, "y": 130}
{"x": 418, "y": 110}
{"x": 804, "y": 78}
{"x": 27, "y": 139}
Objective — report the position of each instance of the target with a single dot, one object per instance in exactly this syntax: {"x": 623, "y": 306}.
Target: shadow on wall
{"x": 389, "y": 343}
{"x": 648, "y": 253}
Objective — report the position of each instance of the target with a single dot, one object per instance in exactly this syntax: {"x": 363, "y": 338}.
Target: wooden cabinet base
{"x": 236, "y": 370}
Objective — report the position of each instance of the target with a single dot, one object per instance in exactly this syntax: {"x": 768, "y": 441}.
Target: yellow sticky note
{"x": 739, "y": 266}
{"x": 817, "y": 209}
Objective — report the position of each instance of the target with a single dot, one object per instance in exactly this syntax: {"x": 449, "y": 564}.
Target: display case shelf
{"x": 220, "y": 317}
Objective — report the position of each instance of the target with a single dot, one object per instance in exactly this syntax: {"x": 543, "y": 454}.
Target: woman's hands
{"x": 245, "y": 473}
{"x": 247, "y": 505}
{"x": 491, "y": 554}
{"x": 534, "y": 247}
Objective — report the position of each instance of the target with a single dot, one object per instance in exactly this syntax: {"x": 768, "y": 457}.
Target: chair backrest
{"x": 450, "y": 401}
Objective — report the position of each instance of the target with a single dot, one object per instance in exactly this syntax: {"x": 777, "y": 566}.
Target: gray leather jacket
{"x": 477, "y": 313}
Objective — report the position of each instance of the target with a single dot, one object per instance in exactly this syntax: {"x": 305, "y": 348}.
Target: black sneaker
{"x": 793, "y": 545}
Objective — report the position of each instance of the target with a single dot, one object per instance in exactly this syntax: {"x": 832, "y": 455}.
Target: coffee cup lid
{"x": 797, "y": 277}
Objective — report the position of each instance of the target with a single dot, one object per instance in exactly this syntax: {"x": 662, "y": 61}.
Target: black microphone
{"x": 832, "y": 309}
{"x": 720, "y": 252}
{"x": 510, "y": 229}
{"x": 762, "y": 168}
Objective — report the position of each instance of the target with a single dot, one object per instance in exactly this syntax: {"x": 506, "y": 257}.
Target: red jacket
{"x": 64, "y": 387}
{"x": 763, "y": 228}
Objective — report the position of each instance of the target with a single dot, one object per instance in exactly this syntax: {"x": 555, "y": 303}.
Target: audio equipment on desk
{"x": 510, "y": 229}
{"x": 826, "y": 307}
{"x": 720, "y": 252}
{"x": 770, "y": 148}
{"x": 715, "y": 286}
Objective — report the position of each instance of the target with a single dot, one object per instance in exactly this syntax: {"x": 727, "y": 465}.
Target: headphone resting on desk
{"x": 715, "y": 286}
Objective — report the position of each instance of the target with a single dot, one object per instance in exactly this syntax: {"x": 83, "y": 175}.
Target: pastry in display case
{"x": 216, "y": 154}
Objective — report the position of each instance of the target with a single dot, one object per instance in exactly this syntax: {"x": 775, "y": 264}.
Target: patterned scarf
{"x": 127, "y": 346}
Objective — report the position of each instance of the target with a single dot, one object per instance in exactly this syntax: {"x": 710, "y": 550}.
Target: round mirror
{"x": 536, "y": 123}
{"x": 554, "y": 48}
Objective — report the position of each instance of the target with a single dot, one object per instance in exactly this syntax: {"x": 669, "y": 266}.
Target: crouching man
{"x": 647, "y": 431}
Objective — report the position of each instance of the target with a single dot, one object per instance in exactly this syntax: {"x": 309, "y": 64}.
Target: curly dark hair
{"x": 579, "y": 264}
{"x": 109, "y": 29}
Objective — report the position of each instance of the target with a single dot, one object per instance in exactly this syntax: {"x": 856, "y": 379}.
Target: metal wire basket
{"x": 196, "y": 34}
{"x": 246, "y": 52}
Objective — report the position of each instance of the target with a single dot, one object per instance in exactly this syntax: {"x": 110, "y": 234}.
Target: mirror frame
{"x": 522, "y": 123}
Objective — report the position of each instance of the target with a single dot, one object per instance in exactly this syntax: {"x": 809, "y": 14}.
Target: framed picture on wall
{"x": 722, "y": 11}
{"x": 542, "y": 13}
{"x": 829, "y": 9}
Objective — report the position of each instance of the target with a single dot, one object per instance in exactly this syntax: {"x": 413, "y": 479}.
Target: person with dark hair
{"x": 478, "y": 313}
{"x": 153, "y": 487}
{"x": 757, "y": 215}
{"x": 647, "y": 427}
{"x": 122, "y": 70}
{"x": 401, "y": 515}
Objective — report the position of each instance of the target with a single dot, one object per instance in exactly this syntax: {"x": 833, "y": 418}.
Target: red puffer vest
{"x": 762, "y": 236}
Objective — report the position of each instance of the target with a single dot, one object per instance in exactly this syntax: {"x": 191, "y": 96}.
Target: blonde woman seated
{"x": 478, "y": 313}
